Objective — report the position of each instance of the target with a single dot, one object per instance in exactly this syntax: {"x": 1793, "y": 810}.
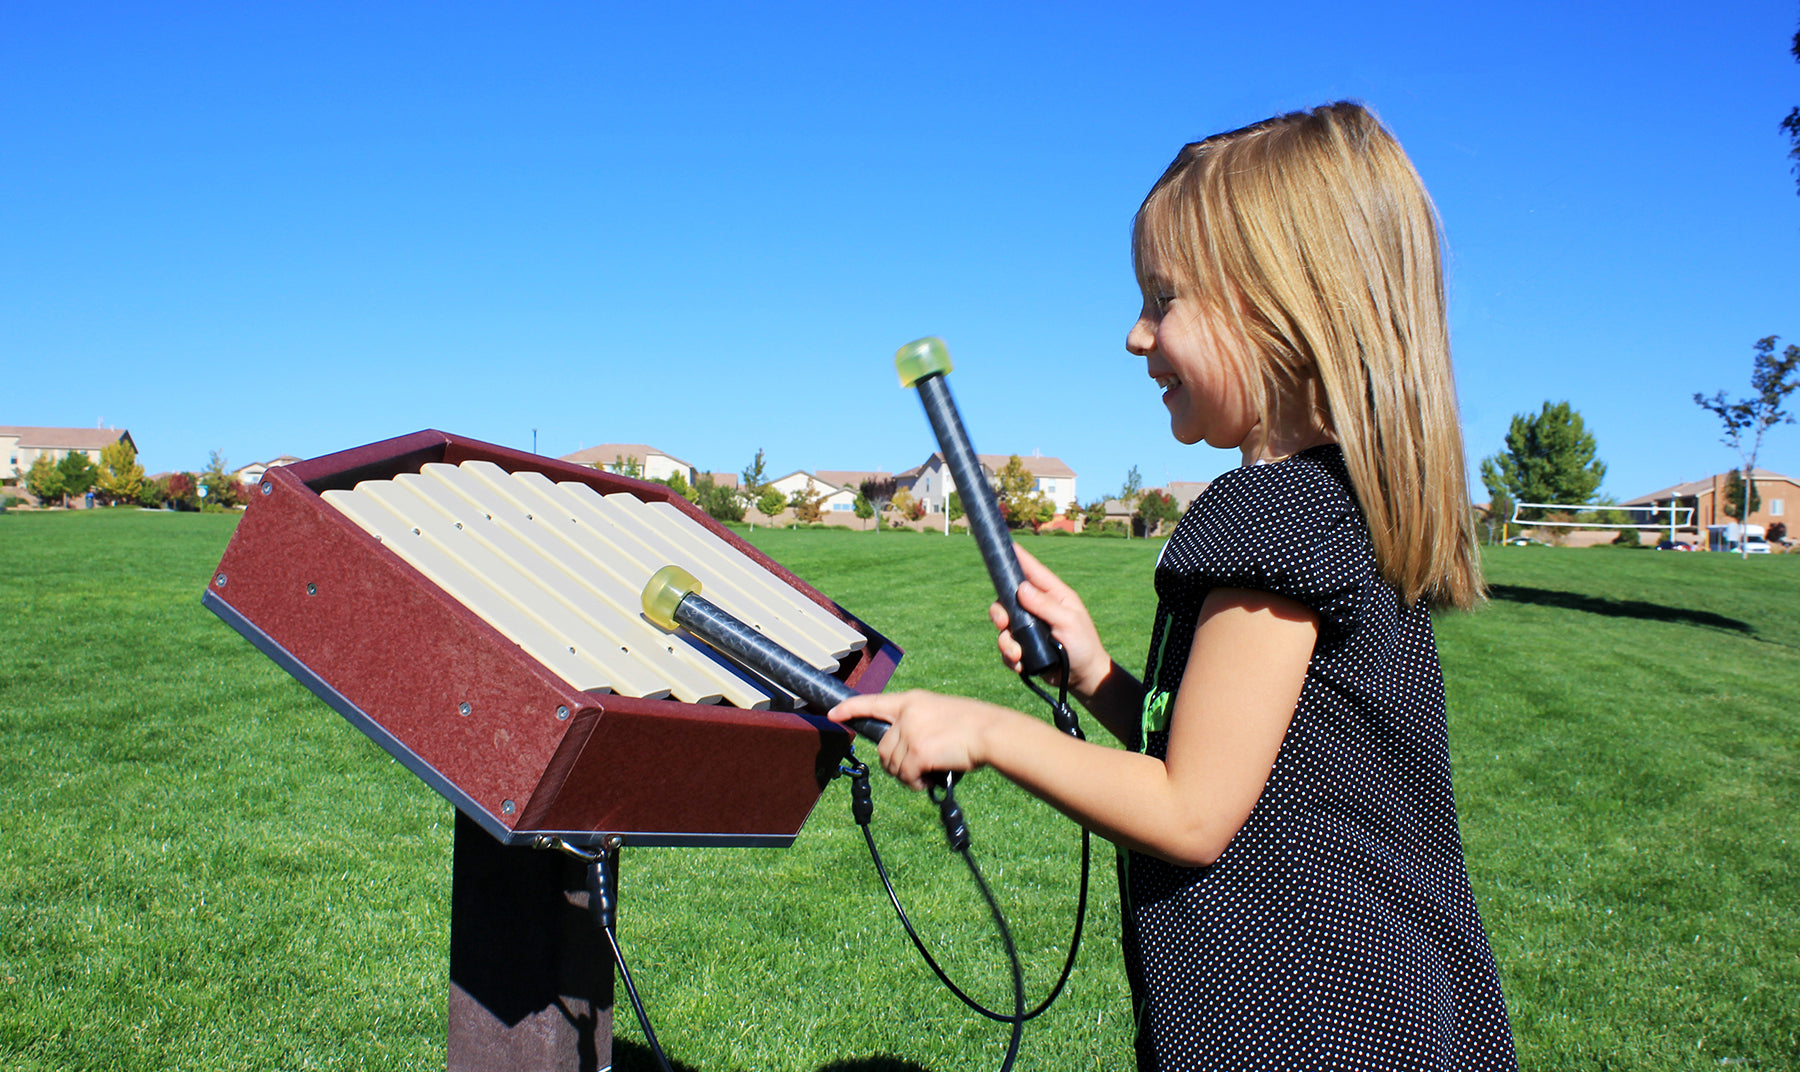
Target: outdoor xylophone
{"x": 476, "y": 612}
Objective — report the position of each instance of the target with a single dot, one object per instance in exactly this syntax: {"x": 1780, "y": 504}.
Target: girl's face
{"x": 1201, "y": 367}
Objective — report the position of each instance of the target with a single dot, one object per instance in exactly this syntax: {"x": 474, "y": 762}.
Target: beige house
{"x": 652, "y": 464}
{"x": 21, "y": 446}
{"x": 932, "y": 482}
{"x": 837, "y": 499}
{"x": 250, "y": 475}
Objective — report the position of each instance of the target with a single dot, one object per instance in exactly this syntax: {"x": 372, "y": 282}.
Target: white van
{"x": 1728, "y": 537}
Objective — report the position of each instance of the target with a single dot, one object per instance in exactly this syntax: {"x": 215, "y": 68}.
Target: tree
{"x": 679, "y": 485}
{"x": 44, "y": 480}
{"x": 754, "y": 478}
{"x": 624, "y": 466}
{"x": 221, "y": 487}
{"x": 1134, "y": 485}
{"x": 1155, "y": 507}
{"x": 1095, "y": 514}
{"x": 805, "y": 503}
{"x": 1020, "y": 501}
{"x": 1747, "y": 420}
{"x": 720, "y": 502}
{"x": 1500, "y": 501}
{"x": 770, "y": 501}
{"x": 1548, "y": 458}
{"x": 1734, "y": 497}
{"x": 864, "y": 509}
{"x": 183, "y": 491}
{"x": 78, "y": 473}
{"x": 953, "y": 503}
{"x": 121, "y": 477}
{"x": 1791, "y": 125}
{"x": 878, "y": 491}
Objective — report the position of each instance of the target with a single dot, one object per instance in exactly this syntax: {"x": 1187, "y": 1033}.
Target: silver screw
{"x": 463, "y": 708}
{"x": 267, "y": 487}
{"x": 507, "y": 806}
{"x": 219, "y": 581}
{"x": 561, "y": 712}
{"x": 312, "y": 589}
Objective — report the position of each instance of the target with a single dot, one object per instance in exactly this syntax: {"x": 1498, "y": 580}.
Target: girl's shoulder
{"x": 1291, "y": 527}
{"x": 1313, "y": 483}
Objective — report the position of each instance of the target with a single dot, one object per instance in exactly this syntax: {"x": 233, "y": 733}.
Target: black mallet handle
{"x": 673, "y": 598}
{"x": 922, "y": 364}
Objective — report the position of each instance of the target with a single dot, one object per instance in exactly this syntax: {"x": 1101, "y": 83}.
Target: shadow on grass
{"x": 629, "y": 1056}
{"x": 1617, "y": 608}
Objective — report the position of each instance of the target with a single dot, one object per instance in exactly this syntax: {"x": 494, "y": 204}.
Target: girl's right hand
{"x": 1044, "y": 595}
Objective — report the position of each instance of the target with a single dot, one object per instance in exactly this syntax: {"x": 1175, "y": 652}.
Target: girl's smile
{"x": 1200, "y": 369}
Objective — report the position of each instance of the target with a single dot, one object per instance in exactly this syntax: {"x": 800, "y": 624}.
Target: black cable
{"x": 937, "y": 969}
{"x": 862, "y": 808}
{"x": 603, "y": 903}
{"x": 1012, "y": 957}
{"x": 637, "y": 1005}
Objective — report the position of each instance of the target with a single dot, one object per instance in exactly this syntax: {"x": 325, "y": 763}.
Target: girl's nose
{"x": 1141, "y": 339}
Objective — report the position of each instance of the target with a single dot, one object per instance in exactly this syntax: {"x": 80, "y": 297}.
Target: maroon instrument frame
{"x": 512, "y": 745}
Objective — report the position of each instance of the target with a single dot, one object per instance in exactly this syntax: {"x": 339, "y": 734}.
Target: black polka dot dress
{"x": 1337, "y": 930}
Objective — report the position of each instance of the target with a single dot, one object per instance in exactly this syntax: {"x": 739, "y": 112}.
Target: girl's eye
{"x": 1163, "y": 301}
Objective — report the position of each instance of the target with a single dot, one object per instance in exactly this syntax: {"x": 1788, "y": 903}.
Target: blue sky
{"x": 293, "y": 228}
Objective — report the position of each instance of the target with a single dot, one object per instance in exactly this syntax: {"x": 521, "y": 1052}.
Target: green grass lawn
{"x": 203, "y": 867}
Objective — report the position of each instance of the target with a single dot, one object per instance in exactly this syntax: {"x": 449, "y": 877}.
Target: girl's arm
{"x": 1109, "y": 692}
{"x": 1243, "y": 677}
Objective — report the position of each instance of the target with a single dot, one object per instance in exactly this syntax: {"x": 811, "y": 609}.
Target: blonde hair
{"x": 1312, "y": 235}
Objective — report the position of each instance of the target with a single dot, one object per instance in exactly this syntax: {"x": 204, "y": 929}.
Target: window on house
{"x": 1775, "y": 507}
{"x": 843, "y": 506}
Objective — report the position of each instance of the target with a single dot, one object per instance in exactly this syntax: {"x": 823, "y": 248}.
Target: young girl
{"x": 1293, "y": 883}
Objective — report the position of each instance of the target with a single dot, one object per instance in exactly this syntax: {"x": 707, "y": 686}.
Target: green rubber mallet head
{"x": 921, "y": 358}
{"x": 667, "y": 588}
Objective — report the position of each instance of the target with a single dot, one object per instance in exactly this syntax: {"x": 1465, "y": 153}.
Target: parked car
{"x": 1674, "y": 545}
{"x": 1748, "y": 539}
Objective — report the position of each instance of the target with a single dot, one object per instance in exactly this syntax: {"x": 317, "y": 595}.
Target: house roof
{"x": 1701, "y": 487}
{"x": 607, "y": 453}
{"x": 1186, "y": 491}
{"x": 65, "y": 438}
{"x": 1036, "y": 465}
{"x": 851, "y": 478}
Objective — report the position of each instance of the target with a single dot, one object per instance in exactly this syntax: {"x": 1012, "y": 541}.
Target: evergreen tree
{"x": 79, "y": 473}
{"x": 221, "y": 486}
{"x": 1549, "y": 458}
{"x": 1734, "y": 497}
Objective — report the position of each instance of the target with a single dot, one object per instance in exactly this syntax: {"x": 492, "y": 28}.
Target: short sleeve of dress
{"x": 1292, "y": 528}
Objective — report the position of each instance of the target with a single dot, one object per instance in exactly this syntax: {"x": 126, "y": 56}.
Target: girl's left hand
{"x": 928, "y": 731}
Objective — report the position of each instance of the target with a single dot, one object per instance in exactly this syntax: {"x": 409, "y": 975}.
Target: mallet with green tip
{"x": 673, "y": 598}
{"x": 922, "y": 363}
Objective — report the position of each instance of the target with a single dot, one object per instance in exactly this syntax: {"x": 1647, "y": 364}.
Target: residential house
{"x": 652, "y": 464}
{"x": 1184, "y": 492}
{"x": 21, "y": 446}
{"x": 1706, "y": 498}
{"x": 837, "y": 499}
{"x": 932, "y": 482}
{"x": 251, "y": 475}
